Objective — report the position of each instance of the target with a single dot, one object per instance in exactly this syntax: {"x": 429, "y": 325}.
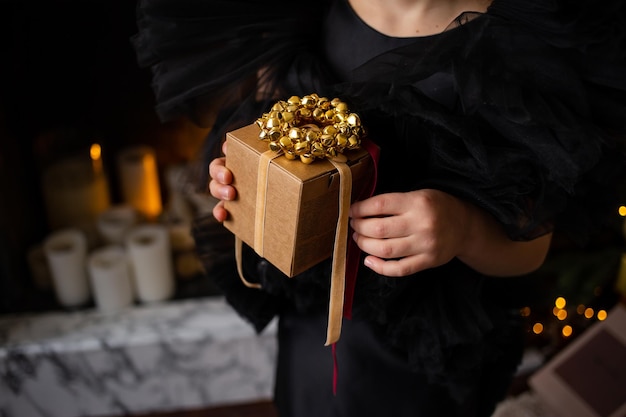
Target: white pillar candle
{"x": 140, "y": 180}
{"x": 66, "y": 252}
{"x": 109, "y": 272}
{"x": 114, "y": 223}
{"x": 151, "y": 261}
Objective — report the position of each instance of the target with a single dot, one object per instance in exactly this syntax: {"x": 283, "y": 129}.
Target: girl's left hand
{"x": 404, "y": 233}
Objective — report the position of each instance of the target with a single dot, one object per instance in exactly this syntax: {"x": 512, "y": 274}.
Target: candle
{"x": 66, "y": 252}
{"x": 114, "y": 223}
{"x": 95, "y": 152}
{"x": 109, "y": 272}
{"x": 151, "y": 261}
{"x": 140, "y": 181}
{"x": 74, "y": 194}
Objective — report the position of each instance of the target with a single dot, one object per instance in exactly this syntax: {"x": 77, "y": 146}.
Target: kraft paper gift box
{"x": 301, "y": 203}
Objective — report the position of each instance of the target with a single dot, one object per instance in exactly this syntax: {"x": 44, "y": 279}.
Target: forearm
{"x": 490, "y": 251}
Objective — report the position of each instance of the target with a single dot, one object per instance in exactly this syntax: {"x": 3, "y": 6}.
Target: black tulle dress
{"x": 519, "y": 110}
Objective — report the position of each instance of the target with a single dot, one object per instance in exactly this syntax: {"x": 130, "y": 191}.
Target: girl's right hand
{"x": 220, "y": 185}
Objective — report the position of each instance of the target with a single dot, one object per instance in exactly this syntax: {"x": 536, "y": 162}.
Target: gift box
{"x": 299, "y": 208}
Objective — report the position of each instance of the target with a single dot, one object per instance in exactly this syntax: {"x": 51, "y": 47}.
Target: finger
{"x": 381, "y": 227}
{"x": 219, "y": 172}
{"x": 225, "y": 147}
{"x": 377, "y": 206}
{"x": 219, "y": 212}
{"x": 398, "y": 267}
{"x": 386, "y": 248}
{"x": 221, "y": 191}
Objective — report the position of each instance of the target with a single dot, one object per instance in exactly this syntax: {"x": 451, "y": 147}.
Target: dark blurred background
{"x": 68, "y": 78}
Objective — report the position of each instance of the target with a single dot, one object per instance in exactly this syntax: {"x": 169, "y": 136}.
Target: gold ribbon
{"x": 265, "y": 160}
{"x": 261, "y": 190}
{"x": 238, "y": 253}
{"x": 338, "y": 274}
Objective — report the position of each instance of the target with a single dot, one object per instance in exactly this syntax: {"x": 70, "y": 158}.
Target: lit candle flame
{"x": 95, "y": 151}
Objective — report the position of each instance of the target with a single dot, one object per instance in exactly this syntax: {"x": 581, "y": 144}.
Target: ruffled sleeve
{"x": 201, "y": 51}
{"x": 555, "y": 87}
{"x": 537, "y": 135}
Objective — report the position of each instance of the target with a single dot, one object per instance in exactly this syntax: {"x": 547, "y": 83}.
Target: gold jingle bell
{"x": 311, "y": 127}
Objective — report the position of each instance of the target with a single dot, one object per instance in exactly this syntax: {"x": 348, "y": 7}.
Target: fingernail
{"x": 368, "y": 262}
{"x": 225, "y": 195}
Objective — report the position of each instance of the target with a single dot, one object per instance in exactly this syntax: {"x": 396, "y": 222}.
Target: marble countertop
{"x": 178, "y": 355}
{"x": 184, "y": 320}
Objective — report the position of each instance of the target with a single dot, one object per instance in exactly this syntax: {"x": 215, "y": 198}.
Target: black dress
{"x": 518, "y": 110}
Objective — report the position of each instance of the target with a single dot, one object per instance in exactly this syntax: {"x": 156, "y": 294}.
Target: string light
{"x": 622, "y": 211}
{"x": 563, "y": 314}
{"x": 560, "y": 302}
{"x": 567, "y": 331}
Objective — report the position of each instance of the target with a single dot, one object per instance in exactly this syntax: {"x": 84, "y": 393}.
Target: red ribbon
{"x": 353, "y": 255}
{"x": 354, "y": 252}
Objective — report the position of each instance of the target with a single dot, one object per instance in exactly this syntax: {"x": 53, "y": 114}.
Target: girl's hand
{"x": 219, "y": 186}
{"x": 404, "y": 233}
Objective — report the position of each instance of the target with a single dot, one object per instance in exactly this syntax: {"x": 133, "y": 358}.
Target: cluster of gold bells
{"x": 311, "y": 127}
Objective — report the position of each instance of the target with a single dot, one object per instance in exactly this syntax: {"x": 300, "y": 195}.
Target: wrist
{"x": 480, "y": 231}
